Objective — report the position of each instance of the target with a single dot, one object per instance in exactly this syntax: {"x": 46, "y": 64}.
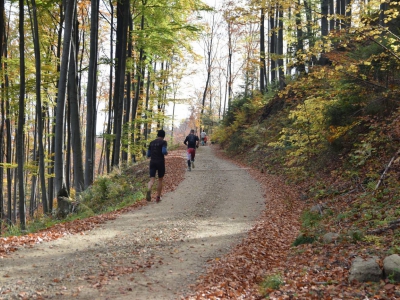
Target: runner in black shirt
{"x": 192, "y": 142}
{"x": 156, "y": 151}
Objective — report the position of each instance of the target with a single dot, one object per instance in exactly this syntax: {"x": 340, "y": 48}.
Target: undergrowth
{"x": 121, "y": 188}
{"x": 332, "y": 137}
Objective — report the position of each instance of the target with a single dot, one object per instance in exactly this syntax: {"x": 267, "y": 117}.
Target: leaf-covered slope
{"x": 334, "y": 135}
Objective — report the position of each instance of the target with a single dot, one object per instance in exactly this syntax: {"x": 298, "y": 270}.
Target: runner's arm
{"x": 164, "y": 150}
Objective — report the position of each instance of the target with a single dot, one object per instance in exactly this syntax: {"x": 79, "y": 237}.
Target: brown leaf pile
{"x": 312, "y": 271}
{"x": 237, "y": 275}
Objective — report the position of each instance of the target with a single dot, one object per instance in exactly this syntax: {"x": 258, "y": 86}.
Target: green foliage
{"x": 310, "y": 219}
{"x": 13, "y": 230}
{"x": 395, "y": 249}
{"x": 234, "y": 130}
{"x": 356, "y": 235}
{"x": 362, "y": 152}
{"x": 304, "y": 239}
{"x": 271, "y": 282}
{"x": 111, "y": 192}
{"x": 346, "y": 106}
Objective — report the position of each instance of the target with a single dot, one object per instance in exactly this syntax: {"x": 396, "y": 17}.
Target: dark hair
{"x": 161, "y": 133}
{"x": 192, "y": 131}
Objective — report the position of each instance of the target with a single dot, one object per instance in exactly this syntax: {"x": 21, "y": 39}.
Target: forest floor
{"x": 200, "y": 241}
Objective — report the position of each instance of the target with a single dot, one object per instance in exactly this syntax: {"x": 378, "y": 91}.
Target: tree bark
{"x": 39, "y": 116}
{"x": 300, "y": 41}
{"x": 76, "y": 139}
{"x": 262, "y": 53}
{"x": 272, "y": 47}
{"x": 122, "y": 28}
{"x": 91, "y": 117}
{"x": 21, "y": 120}
{"x": 281, "y": 71}
{"x": 3, "y": 115}
{"x": 110, "y": 97}
{"x": 60, "y": 108}
{"x": 324, "y": 17}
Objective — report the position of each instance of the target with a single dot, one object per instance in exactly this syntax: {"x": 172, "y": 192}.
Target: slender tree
{"x": 91, "y": 116}
{"x": 39, "y": 115}
{"x": 119, "y": 90}
{"x": 324, "y": 17}
{"x": 209, "y": 50}
{"x": 281, "y": 71}
{"x": 21, "y": 119}
{"x": 62, "y": 85}
{"x": 76, "y": 140}
{"x": 262, "y": 52}
{"x": 273, "y": 42}
{"x": 3, "y": 117}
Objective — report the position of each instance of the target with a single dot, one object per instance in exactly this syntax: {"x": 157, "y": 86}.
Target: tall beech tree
{"x": 263, "y": 75}
{"x": 119, "y": 90}
{"x": 73, "y": 105}
{"x": 21, "y": 119}
{"x": 61, "y": 94}
{"x": 2, "y": 99}
{"x": 39, "y": 115}
{"x": 91, "y": 115}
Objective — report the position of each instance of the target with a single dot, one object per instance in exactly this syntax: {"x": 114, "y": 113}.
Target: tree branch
{"x": 386, "y": 170}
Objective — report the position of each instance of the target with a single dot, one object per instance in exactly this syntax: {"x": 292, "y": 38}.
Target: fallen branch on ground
{"x": 392, "y": 225}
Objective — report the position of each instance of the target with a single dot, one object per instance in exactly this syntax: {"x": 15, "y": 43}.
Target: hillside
{"x": 334, "y": 135}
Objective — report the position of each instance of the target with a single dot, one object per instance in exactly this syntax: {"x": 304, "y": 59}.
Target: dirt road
{"x": 155, "y": 252}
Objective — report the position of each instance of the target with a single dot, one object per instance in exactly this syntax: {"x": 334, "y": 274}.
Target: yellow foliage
{"x": 336, "y": 132}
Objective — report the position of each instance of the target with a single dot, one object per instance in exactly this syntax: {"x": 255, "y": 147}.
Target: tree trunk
{"x": 39, "y": 116}
{"x": 91, "y": 117}
{"x": 262, "y": 53}
{"x": 229, "y": 67}
{"x": 272, "y": 47}
{"x": 110, "y": 98}
{"x": 300, "y": 44}
{"x": 209, "y": 47}
{"x": 21, "y": 120}
{"x": 9, "y": 155}
{"x": 76, "y": 139}
{"x": 383, "y": 7}
{"x": 324, "y": 17}
{"x": 3, "y": 113}
{"x": 331, "y": 14}
{"x": 146, "y": 108}
{"x": 122, "y": 28}
{"x": 281, "y": 71}
{"x": 52, "y": 138}
{"x": 60, "y": 109}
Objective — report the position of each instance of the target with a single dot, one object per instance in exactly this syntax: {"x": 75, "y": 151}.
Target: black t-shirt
{"x": 190, "y": 140}
{"x": 155, "y": 148}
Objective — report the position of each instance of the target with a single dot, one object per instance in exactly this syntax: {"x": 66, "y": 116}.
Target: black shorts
{"x": 157, "y": 166}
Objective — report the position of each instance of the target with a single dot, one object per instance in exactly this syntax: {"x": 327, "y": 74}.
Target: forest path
{"x": 155, "y": 252}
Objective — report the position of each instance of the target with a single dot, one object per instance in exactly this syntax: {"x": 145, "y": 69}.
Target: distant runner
{"x": 203, "y": 137}
{"x": 192, "y": 142}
